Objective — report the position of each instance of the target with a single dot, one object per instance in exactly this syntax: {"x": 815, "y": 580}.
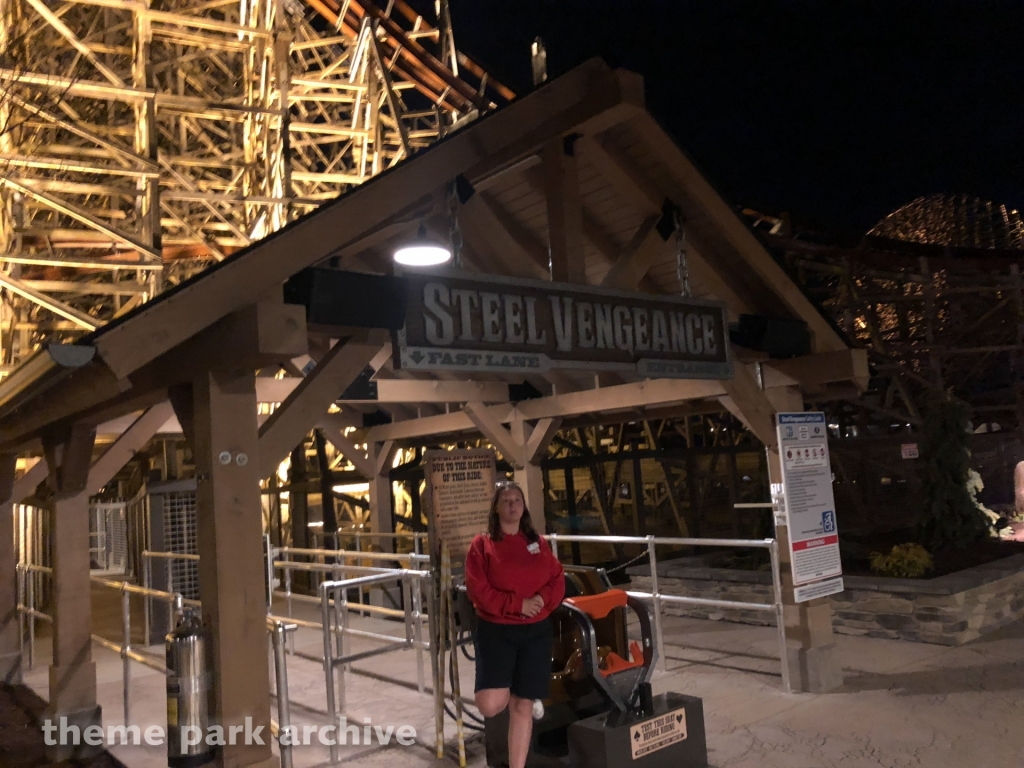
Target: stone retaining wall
{"x": 949, "y": 610}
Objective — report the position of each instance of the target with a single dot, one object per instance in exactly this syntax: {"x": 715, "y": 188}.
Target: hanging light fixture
{"x": 423, "y": 251}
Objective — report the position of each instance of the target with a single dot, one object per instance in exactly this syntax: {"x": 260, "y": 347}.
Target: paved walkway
{"x": 903, "y": 704}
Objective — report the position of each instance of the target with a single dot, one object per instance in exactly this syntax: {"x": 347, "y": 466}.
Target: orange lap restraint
{"x": 598, "y": 607}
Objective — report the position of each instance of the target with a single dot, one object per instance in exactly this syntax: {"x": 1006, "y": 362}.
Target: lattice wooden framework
{"x": 931, "y": 322}
{"x": 145, "y": 140}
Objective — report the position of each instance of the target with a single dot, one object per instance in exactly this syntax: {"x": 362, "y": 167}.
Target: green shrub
{"x": 906, "y": 561}
{"x": 949, "y": 516}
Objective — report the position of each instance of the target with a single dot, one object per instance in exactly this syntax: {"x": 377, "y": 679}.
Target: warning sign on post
{"x": 657, "y": 733}
{"x": 810, "y": 504}
{"x": 460, "y": 485}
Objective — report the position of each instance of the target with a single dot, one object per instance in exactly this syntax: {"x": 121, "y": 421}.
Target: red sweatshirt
{"x": 501, "y": 574}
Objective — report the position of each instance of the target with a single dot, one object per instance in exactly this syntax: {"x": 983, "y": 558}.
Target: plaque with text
{"x": 460, "y": 486}
{"x": 810, "y": 505}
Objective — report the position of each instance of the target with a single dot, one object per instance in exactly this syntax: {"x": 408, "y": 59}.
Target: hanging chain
{"x": 628, "y": 563}
{"x": 682, "y": 268}
{"x": 454, "y": 233}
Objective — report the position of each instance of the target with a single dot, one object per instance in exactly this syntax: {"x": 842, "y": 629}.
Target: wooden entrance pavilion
{"x": 568, "y": 183}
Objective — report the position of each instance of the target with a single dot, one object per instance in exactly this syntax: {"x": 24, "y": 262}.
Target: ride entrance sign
{"x": 810, "y": 505}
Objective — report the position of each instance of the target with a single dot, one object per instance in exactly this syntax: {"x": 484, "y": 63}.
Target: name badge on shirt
{"x": 534, "y": 549}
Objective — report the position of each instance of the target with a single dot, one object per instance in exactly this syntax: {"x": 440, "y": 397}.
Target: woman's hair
{"x": 494, "y": 519}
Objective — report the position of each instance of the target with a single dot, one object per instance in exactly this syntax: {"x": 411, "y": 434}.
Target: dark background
{"x": 834, "y": 111}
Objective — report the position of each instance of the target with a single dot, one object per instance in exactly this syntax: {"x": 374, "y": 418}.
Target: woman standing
{"x": 514, "y": 582}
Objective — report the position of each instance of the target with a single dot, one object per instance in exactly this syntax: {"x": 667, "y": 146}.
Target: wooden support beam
{"x": 400, "y": 391}
{"x": 813, "y": 371}
{"x": 255, "y": 336}
{"x": 538, "y": 438}
{"x": 303, "y": 408}
{"x": 10, "y": 624}
{"x": 231, "y": 571}
{"x": 84, "y": 217}
{"x": 131, "y": 441}
{"x": 645, "y": 248}
{"x": 491, "y": 231}
{"x": 623, "y": 397}
{"x": 68, "y": 454}
{"x": 745, "y": 400}
{"x": 347, "y": 448}
{"x": 565, "y": 210}
{"x": 25, "y": 290}
{"x": 521, "y": 444}
{"x": 72, "y": 673}
{"x": 622, "y": 172}
{"x": 381, "y": 457}
{"x": 499, "y": 435}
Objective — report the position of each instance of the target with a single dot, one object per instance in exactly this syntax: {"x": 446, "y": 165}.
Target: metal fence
{"x": 657, "y": 598}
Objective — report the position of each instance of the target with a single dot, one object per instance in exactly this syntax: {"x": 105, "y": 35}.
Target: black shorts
{"x": 514, "y": 656}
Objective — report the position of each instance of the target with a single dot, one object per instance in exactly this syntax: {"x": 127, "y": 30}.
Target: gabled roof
{"x": 628, "y": 167}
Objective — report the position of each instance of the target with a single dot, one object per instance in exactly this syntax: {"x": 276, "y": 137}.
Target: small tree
{"x": 950, "y": 518}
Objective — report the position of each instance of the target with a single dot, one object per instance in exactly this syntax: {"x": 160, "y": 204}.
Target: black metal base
{"x": 191, "y": 761}
{"x": 673, "y": 737}
{"x": 574, "y": 737}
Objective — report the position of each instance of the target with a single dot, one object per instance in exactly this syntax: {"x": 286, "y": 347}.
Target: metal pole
{"x": 780, "y": 617}
{"x": 288, "y": 598}
{"x": 147, "y": 603}
{"x": 341, "y": 625}
{"x": 453, "y": 653}
{"x": 359, "y": 548}
{"x": 417, "y": 606}
{"x": 126, "y": 664}
{"x": 407, "y": 605}
{"x": 31, "y": 579}
{"x": 269, "y": 550}
{"x": 656, "y": 594}
{"x": 179, "y": 609}
{"x": 20, "y": 603}
{"x": 554, "y": 545}
{"x": 332, "y": 715}
{"x": 436, "y": 647}
{"x": 284, "y": 718}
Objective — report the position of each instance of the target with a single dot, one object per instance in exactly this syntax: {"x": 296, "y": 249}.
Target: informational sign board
{"x": 458, "y": 321}
{"x": 810, "y": 505}
{"x": 657, "y": 733}
{"x": 909, "y": 451}
{"x": 460, "y": 486}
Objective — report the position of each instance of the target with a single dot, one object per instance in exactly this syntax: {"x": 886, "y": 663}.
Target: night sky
{"x": 836, "y": 112}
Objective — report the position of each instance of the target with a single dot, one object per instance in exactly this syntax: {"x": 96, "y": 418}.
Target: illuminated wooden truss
{"x": 143, "y": 141}
{"x": 938, "y": 306}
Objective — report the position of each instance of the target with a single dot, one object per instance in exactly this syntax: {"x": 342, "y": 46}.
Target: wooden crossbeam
{"x": 302, "y": 409}
{"x": 126, "y": 446}
{"x": 643, "y": 250}
{"x": 565, "y": 211}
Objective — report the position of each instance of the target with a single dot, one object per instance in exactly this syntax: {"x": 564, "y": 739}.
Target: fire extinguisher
{"x": 188, "y": 686}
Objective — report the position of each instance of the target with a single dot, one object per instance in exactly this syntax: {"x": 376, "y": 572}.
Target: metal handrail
{"x": 354, "y": 553}
{"x": 335, "y": 655}
{"x": 657, "y": 598}
{"x": 127, "y": 655}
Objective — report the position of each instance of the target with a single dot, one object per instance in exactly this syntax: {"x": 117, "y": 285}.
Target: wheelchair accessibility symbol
{"x": 828, "y": 521}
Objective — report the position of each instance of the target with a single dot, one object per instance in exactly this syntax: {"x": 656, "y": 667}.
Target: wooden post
{"x": 531, "y": 478}
{"x": 231, "y": 578}
{"x": 73, "y": 672}
{"x": 813, "y": 661}
{"x": 565, "y": 210}
{"x": 10, "y": 641}
{"x": 381, "y": 518}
